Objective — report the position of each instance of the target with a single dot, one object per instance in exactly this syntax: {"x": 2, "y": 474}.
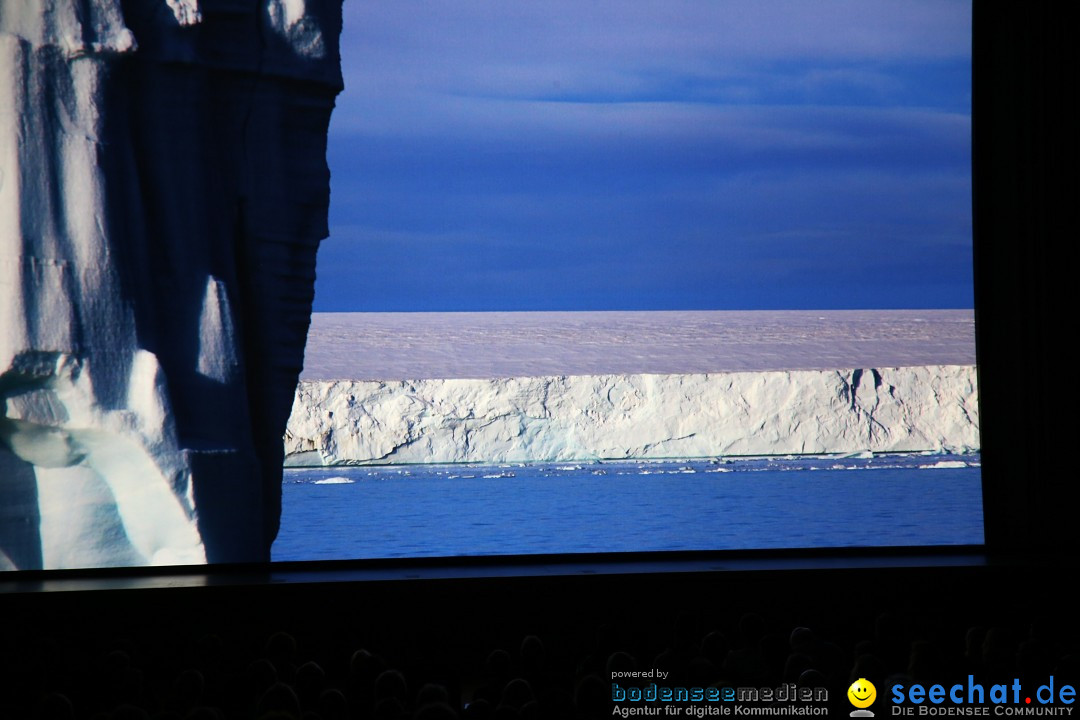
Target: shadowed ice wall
{"x": 163, "y": 190}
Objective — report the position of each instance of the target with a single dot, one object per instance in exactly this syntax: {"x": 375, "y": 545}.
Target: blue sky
{"x": 677, "y": 154}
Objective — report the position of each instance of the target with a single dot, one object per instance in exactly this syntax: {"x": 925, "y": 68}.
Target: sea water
{"x": 629, "y": 506}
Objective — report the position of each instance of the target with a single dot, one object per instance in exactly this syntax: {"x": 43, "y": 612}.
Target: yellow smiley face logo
{"x": 862, "y": 693}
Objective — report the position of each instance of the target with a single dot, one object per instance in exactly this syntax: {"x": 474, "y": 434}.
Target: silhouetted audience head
{"x": 812, "y": 678}
{"x": 55, "y": 706}
{"x": 390, "y": 684}
{"x": 714, "y": 647}
{"x": 803, "y": 640}
{"x": 310, "y": 681}
{"x": 281, "y": 650}
{"x": 279, "y": 698}
{"x": 533, "y": 655}
{"x": 261, "y": 675}
{"x": 189, "y": 687}
{"x": 517, "y": 693}
{"x": 498, "y": 664}
{"x": 795, "y": 665}
{"x": 620, "y": 662}
{"x": 431, "y": 693}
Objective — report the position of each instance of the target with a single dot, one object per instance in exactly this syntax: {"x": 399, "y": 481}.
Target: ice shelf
{"x": 582, "y": 417}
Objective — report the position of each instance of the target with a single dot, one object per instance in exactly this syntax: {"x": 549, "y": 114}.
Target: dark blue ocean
{"x": 626, "y": 506}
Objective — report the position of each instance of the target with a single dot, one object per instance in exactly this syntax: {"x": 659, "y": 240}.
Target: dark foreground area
{"x": 346, "y": 645}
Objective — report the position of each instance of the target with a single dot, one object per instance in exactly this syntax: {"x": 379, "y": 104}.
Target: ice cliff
{"x": 163, "y": 189}
{"x": 905, "y": 409}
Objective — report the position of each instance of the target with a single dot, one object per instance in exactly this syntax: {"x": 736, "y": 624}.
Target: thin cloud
{"x": 644, "y": 148}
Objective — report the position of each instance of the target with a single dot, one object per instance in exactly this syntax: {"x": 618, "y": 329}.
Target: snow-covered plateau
{"x": 928, "y": 408}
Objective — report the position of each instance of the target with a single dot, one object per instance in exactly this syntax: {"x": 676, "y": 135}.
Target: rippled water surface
{"x": 448, "y": 510}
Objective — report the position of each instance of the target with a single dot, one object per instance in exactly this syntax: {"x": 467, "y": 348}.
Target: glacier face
{"x": 163, "y": 190}
{"x": 586, "y": 417}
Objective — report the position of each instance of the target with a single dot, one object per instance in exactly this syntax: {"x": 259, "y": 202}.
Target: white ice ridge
{"x": 591, "y": 417}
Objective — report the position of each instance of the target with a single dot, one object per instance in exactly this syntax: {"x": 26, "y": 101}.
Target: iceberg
{"x": 930, "y": 408}
{"x": 163, "y": 191}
